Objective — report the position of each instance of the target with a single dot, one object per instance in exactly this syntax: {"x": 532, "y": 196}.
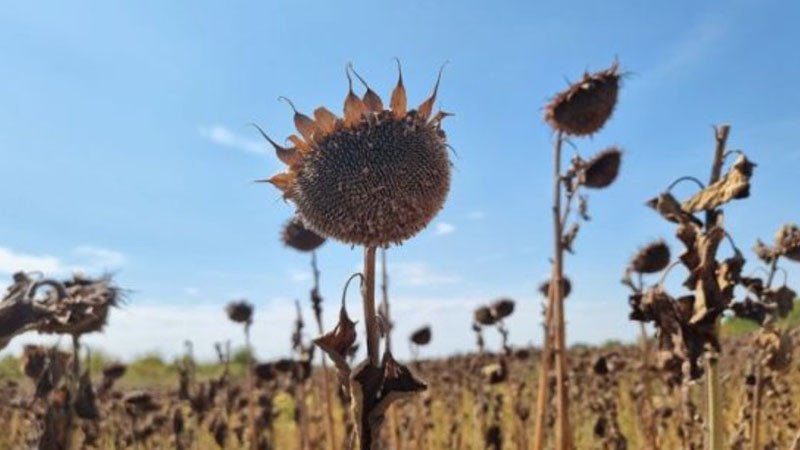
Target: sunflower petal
{"x": 300, "y": 144}
{"x": 288, "y": 156}
{"x": 284, "y": 181}
{"x": 304, "y": 124}
{"x": 426, "y": 107}
{"x": 398, "y": 102}
{"x": 326, "y": 120}
{"x": 354, "y": 109}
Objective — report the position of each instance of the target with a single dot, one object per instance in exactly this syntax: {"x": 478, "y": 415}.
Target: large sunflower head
{"x": 373, "y": 177}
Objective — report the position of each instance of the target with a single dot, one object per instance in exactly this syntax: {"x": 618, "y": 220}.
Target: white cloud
{"x": 137, "y": 329}
{"x": 420, "y": 274}
{"x": 223, "y": 136}
{"x": 12, "y": 261}
{"x": 85, "y": 258}
{"x": 444, "y": 228}
{"x": 476, "y": 215}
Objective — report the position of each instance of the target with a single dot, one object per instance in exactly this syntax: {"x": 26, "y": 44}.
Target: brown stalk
{"x": 651, "y": 433}
{"x": 394, "y": 432}
{"x": 370, "y": 318}
{"x": 716, "y": 432}
{"x": 251, "y": 407}
{"x": 544, "y": 369}
{"x": 755, "y": 426}
{"x": 326, "y": 385}
{"x": 563, "y": 438}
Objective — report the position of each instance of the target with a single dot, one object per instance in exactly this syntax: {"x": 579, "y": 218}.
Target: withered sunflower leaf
{"x": 733, "y": 185}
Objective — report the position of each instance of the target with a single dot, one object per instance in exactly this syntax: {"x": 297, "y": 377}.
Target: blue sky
{"x": 125, "y": 148}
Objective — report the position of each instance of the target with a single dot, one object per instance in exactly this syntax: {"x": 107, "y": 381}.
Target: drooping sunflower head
{"x": 297, "y": 236}
{"x": 586, "y": 105}
{"x": 374, "y": 177}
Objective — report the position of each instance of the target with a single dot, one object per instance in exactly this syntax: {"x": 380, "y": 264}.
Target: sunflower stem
{"x": 544, "y": 369}
{"x": 370, "y": 318}
{"x": 563, "y": 441}
{"x": 251, "y": 407}
{"x": 326, "y": 385}
{"x": 716, "y": 432}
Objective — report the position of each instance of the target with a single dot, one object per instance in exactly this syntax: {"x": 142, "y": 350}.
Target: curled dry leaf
{"x": 337, "y": 342}
{"x": 374, "y": 389}
{"x": 764, "y": 252}
{"x": 733, "y": 185}
{"x": 569, "y": 237}
{"x": 669, "y": 208}
{"x": 776, "y": 347}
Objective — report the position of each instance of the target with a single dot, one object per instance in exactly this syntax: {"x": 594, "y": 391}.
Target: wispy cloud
{"x": 444, "y": 228}
{"x": 99, "y": 258}
{"x": 12, "y": 261}
{"x": 222, "y": 135}
{"x": 85, "y": 258}
{"x": 420, "y": 274}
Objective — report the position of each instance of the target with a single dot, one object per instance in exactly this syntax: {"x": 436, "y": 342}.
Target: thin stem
{"x": 326, "y": 385}
{"x": 716, "y": 431}
{"x": 370, "y": 318}
{"x": 385, "y": 299}
{"x": 755, "y": 423}
{"x": 563, "y": 438}
{"x": 686, "y": 178}
{"x": 251, "y": 407}
{"x": 651, "y": 432}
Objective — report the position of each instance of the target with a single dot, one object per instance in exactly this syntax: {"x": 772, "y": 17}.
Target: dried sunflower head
{"x": 602, "y": 169}
{"x": 566, "y": 287}
{"x": 502, "y": 308}
{"x": 787, "y": 242}
{"x": 652, "y": 258}
{"x": 585, "y": 106}
{"x": 422, "y": 336}
{"x": 298, "y": 237}
{"x": 483, "y": 316}
{"x": 240, "y": 311}
{"x": 375, "y": 177}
